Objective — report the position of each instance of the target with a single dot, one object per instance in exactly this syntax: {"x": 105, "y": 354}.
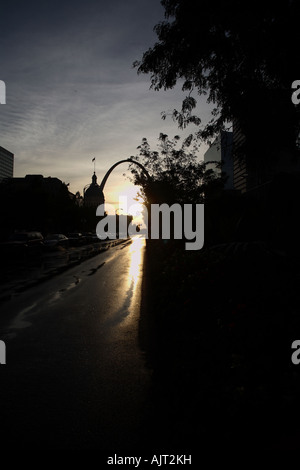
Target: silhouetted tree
{"x": 177, "y": 175}
{"x": 242, "y": 56}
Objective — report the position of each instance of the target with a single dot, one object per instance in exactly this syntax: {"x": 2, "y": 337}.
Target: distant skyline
{"x": 71, "y": 91}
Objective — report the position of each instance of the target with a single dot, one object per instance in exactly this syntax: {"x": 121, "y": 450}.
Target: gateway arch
{"x": 118, "y": 163}
{"x": 94, "y": 193}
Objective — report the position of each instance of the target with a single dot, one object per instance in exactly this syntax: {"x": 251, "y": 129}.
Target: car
{"x": 23, "y": 243}
{"x": 76, "y": 239}
{"x": 88, "y": 236}
{"x": 56, "y": 240}
{"x": 95, "y": 238}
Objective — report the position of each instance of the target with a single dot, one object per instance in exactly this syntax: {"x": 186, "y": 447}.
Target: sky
{"x": 72, "y": 93}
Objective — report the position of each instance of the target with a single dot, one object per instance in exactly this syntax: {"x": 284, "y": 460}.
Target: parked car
{"x": 90, "y": 237}
{"x": 23, "y": 243}
{"x": 55, "y": 240}
{"x": 95, "y": 238}
{"x": 76, "y": 239}
{"x": 87, "y": 237}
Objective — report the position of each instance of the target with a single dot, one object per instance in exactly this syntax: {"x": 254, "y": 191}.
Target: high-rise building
{"x": 6, "y": 164}
{"x": 220, "y": 151}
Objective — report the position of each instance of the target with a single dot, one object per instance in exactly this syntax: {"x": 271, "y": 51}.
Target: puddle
{"x": 94, "y": 270}
{"x": 59, "y": 293}
{"x": 19, "y": 322}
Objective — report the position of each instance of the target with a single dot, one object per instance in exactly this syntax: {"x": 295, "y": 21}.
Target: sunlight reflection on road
{"x": 124, "y": 304}
{"x": 135, "y": 269}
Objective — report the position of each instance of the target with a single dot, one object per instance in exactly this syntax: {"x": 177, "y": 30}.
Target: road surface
{"x": 75, "y": 376}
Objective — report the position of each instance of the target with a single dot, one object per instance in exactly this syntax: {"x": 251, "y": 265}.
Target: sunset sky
{"x": 72, "y": 93}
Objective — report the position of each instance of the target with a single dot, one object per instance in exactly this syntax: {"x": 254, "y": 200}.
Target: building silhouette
{"x": 51, "y": 185}
{"x": 6, "y": 164}
{"x": 92, "y": 194}
{"x": 254, "y": 174}
{"x": 220, "y": 151}
{"x": 36, "y": 203}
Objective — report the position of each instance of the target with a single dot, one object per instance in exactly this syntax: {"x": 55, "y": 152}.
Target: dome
{"x": 93, "y": 196}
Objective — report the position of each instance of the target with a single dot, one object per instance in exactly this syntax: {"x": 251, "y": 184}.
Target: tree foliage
{"x": 176, "y": 173}
{"x": 241, "y": 55}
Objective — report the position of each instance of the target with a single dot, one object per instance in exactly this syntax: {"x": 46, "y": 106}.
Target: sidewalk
{"x": 219, "y": 345}
{"x": 19, "y": 276}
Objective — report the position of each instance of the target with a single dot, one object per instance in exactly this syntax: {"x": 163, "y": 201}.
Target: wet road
{"x": 75, "y": 376}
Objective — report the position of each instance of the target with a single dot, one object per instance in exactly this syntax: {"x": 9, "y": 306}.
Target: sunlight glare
{"x": 135, "y": 250}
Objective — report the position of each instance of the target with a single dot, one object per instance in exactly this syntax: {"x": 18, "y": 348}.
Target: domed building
{"x": 93, "y": 195}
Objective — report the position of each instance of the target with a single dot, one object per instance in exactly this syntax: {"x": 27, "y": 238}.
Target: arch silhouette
{"x": 118, "y": 163}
